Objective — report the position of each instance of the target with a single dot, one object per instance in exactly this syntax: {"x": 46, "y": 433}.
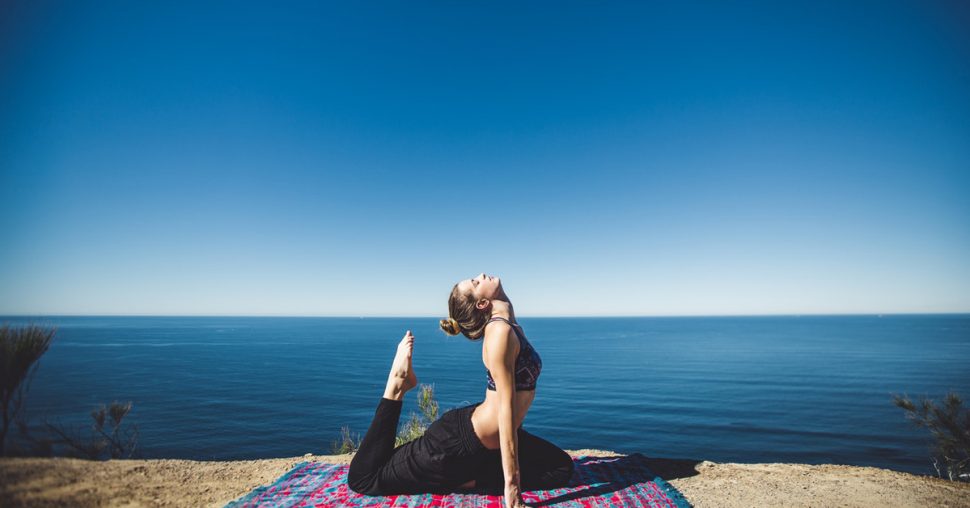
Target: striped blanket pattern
{"x": 597, "y": 481}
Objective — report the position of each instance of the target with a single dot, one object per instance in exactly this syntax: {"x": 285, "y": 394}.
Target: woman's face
{"x": 482, "y": 287}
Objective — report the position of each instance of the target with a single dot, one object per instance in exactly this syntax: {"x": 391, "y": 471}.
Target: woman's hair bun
{"x": 450, "y": 326}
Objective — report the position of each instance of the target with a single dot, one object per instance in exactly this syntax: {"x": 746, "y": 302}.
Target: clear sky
{"x": 674, "y": 158}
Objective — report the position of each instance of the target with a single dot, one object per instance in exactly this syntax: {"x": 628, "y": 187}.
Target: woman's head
{"x": 470, "y": 305}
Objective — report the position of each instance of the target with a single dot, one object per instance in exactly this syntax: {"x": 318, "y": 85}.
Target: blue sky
{"x": 677, "y": 158}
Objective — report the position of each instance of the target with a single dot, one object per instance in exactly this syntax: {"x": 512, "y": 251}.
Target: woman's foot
{"x": 401, "y": 378}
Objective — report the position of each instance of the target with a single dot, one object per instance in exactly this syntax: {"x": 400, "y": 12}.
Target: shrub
{"x": 347, "y": 443}
{"x": 949, "y": 424}
{"x": 20, "y": 350}
{"x": 100, "y": 442}
{"x": 417, "y": 424}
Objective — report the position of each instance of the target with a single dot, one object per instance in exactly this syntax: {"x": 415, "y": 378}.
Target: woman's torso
{"x": 485, "y": 416}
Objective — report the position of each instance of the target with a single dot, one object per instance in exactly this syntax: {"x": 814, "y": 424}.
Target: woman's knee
{"x": 553, "y": 473}
{"x": 361, "y": 482}
{"x": 565, "y": 469}
{"x": 561, "y": 470}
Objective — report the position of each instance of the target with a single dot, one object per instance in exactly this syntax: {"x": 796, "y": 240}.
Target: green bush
{"x": 949, "y": 424}
{"x": 347, "y": 443}
{"x": 417, "y": 424}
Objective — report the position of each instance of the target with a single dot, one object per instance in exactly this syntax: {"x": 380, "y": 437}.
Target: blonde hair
{"x": 450, "y": 326}
{"x": 464, "y": 317}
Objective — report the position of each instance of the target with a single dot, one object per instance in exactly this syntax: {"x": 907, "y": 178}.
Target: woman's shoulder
{"x": 499, "y": 333}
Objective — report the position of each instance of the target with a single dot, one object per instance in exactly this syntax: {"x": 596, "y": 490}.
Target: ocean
{"x": 810, "y": 389}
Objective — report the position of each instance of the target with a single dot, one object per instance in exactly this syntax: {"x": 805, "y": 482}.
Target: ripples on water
{"x": 743, "y": 389}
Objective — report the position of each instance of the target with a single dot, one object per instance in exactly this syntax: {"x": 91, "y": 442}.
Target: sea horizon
{"x": 525, "y": 316}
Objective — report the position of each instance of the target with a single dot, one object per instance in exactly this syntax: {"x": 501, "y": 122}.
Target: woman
{"x": 481, "y": 446}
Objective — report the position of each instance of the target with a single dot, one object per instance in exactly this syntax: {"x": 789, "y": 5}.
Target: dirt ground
{"x": 130, "y": 483}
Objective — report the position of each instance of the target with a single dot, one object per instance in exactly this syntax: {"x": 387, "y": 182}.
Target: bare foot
{"x": 402, "y": 377}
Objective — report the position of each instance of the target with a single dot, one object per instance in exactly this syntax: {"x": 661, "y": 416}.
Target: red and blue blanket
{"x": 597, "y": 481}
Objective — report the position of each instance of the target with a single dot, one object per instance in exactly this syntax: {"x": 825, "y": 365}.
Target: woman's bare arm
{"x": 501, "y": 353}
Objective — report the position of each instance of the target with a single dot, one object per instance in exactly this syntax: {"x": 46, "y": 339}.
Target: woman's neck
{"x": 503, "y": 309}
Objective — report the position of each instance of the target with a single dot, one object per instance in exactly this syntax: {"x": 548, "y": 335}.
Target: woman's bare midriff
{"x": 485, "y": 416}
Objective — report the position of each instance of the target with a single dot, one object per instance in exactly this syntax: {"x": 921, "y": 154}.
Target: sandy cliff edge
{"x": 171, "y": 482}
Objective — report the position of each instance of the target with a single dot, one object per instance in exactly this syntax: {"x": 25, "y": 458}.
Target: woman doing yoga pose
{"x": 481, "y": 446}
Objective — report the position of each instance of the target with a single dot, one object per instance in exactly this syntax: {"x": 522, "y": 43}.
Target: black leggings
{"x": 448, "y": 455}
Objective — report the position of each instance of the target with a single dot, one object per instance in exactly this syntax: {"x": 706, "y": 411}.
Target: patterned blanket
{"x": 597, "y": 481}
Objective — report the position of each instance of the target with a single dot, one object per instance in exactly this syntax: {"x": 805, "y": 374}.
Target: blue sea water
{"x": 743, "y": 389}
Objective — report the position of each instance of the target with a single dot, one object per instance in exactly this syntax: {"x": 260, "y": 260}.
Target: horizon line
{"x": 527, "y": 316}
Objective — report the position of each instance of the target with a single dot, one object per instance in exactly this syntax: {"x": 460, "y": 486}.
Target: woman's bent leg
{"x": 376, "y": 448}
{"x": 446, "y": 456}
{"x": 542, "y": 465}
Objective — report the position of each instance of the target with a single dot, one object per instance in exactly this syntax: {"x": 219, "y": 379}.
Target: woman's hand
{"x": 513, "y": 498}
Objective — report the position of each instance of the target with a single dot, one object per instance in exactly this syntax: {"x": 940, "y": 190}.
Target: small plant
{"x": 347, "y": 443}
{"x": 949, "y": 424}
{"x": 101, "y": 442}
{"x": 20, "y": 350}
{"x": 417, "y": 424}
{"x": 411, "y": 430}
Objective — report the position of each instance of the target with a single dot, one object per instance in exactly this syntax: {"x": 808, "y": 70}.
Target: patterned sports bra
{"x": 528, "y": 365}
